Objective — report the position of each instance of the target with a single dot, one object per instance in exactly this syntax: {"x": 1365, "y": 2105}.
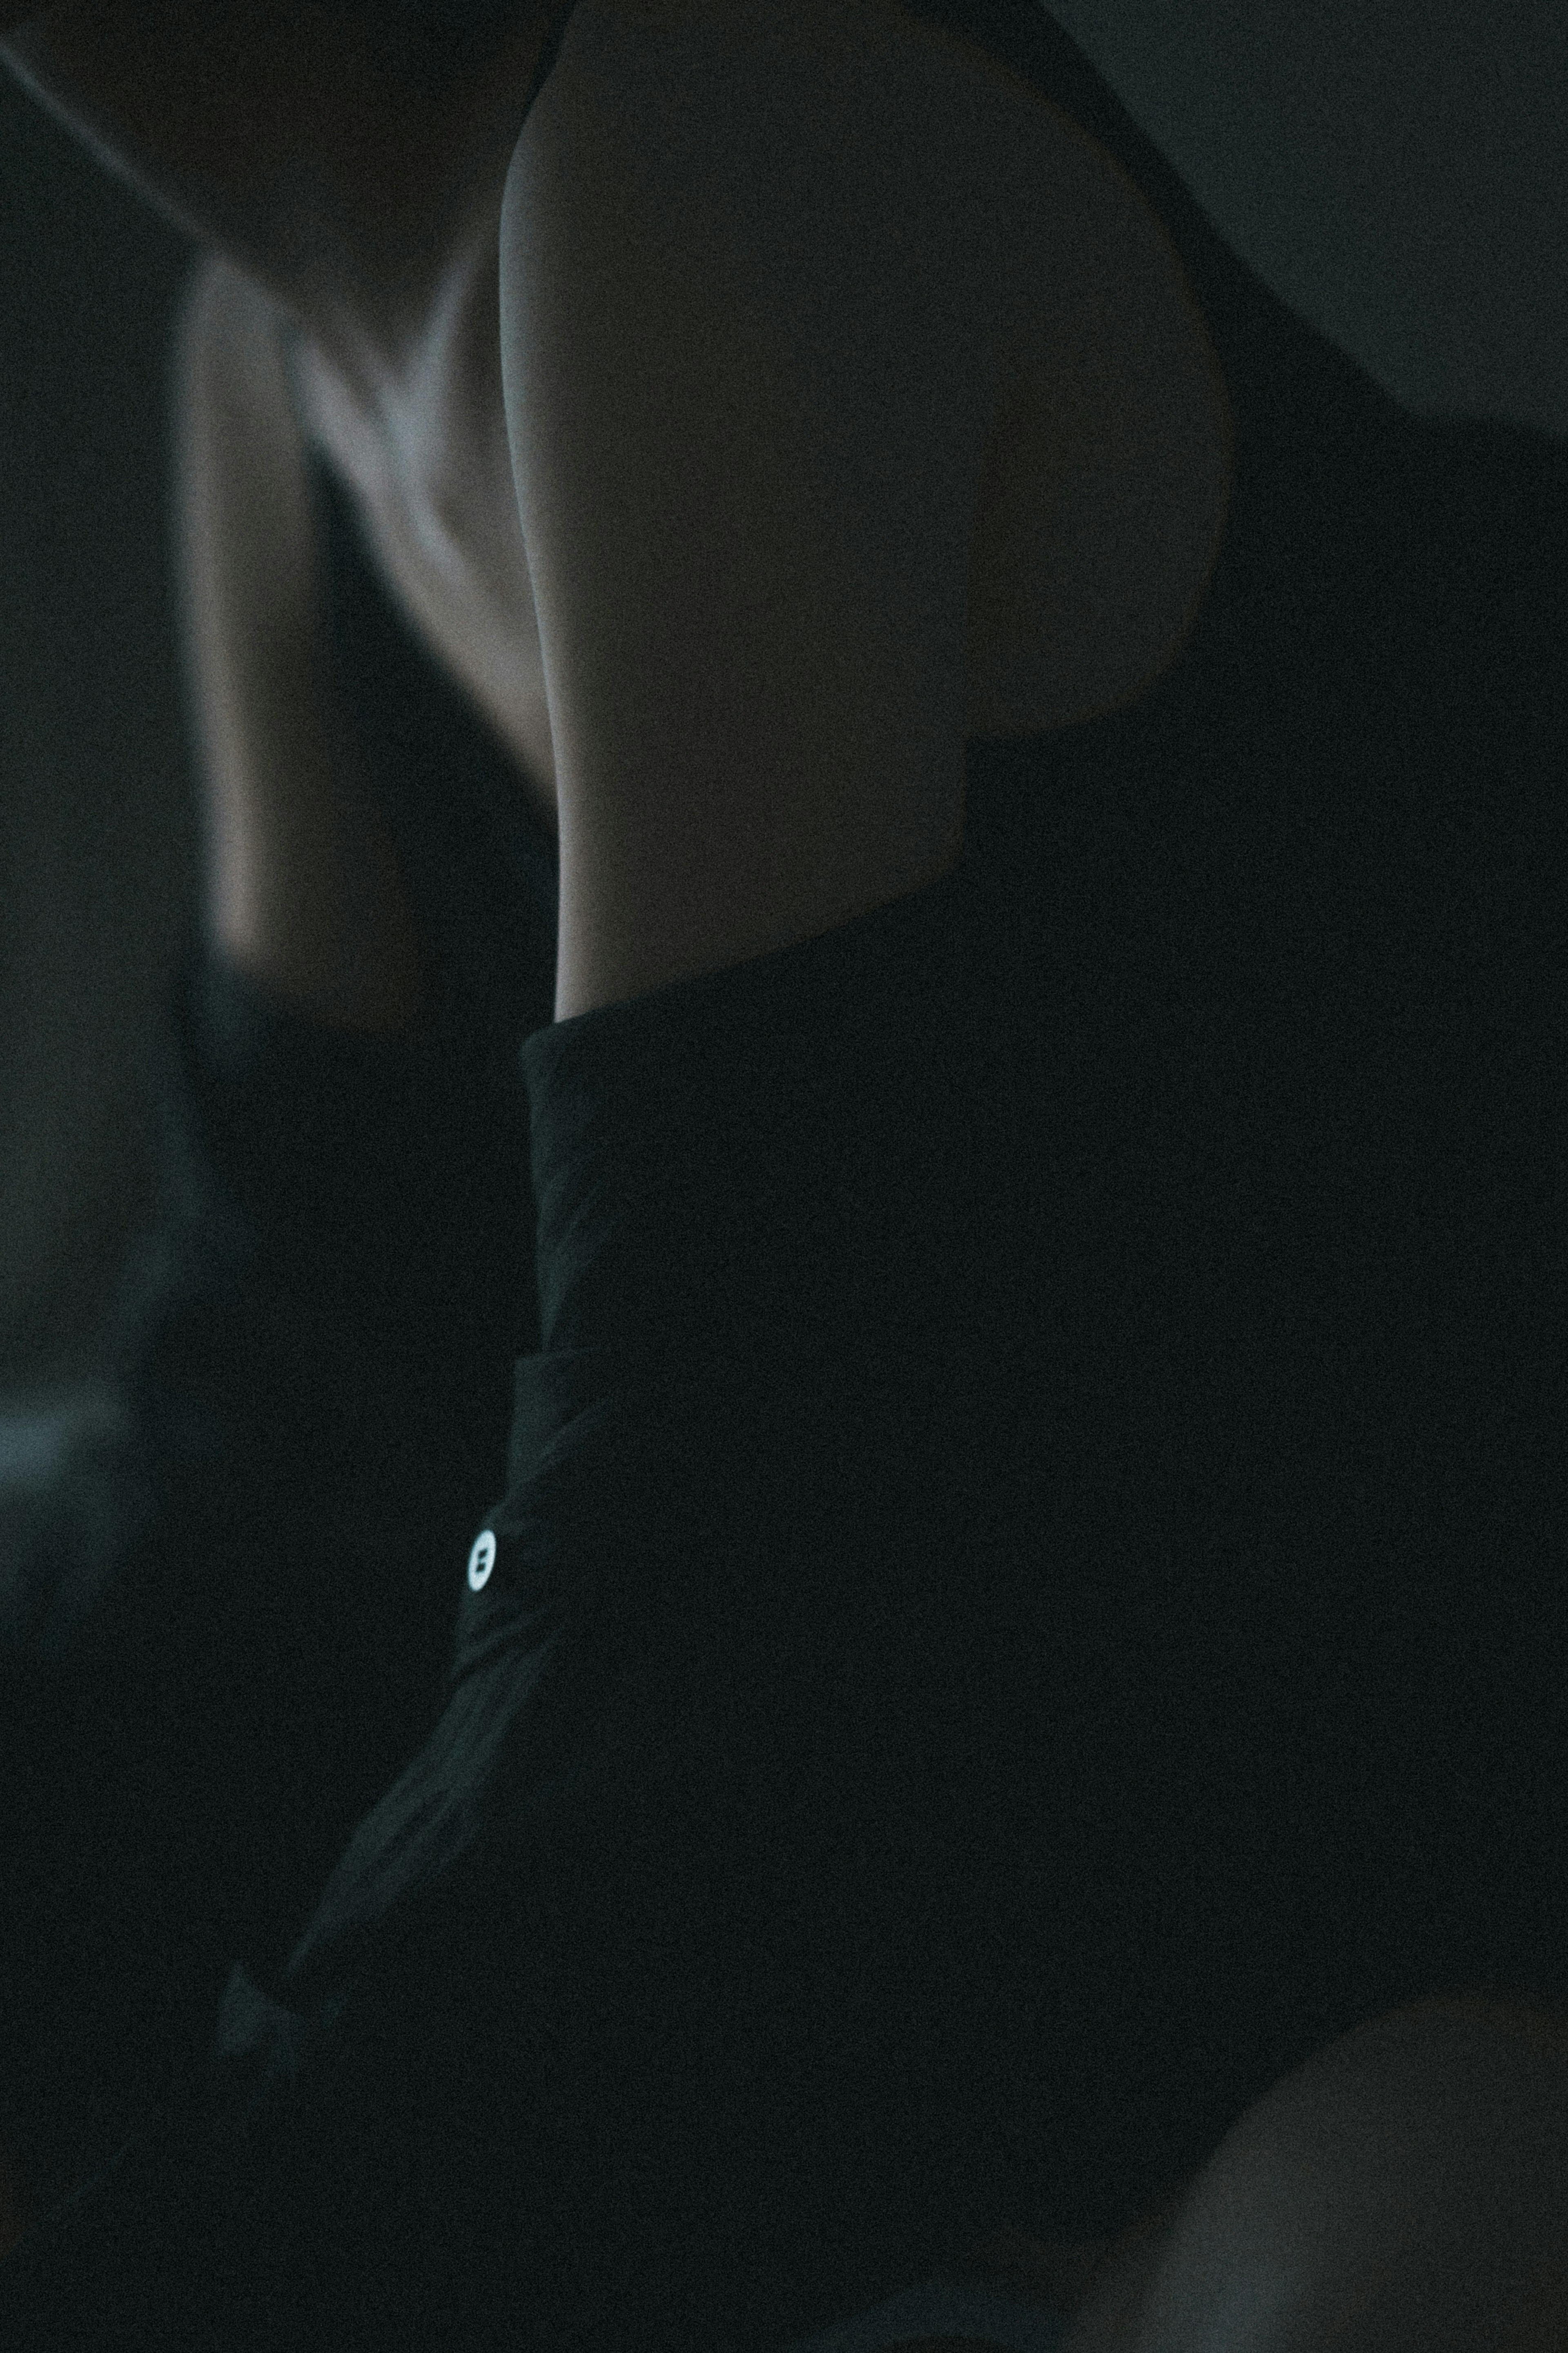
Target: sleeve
{"x": 335, "y": 1214}
{"x": 224, "y": 1639}
{"x": 669, "y": 1997}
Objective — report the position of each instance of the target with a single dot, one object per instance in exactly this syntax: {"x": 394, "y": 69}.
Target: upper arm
{"x": 747, "y": 376}
{"x": 301, "y": 879}
{"x": 244, "y": 539}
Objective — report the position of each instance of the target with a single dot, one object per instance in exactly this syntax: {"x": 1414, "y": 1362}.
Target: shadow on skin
{"x": 1403, "y": 2190}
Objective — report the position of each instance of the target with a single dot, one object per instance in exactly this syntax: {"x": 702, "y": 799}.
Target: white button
{"x": 481, "y": 1560}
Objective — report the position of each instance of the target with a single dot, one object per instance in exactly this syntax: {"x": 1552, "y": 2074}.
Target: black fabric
{"x": 235, "y": 1650}
{"x": 1027, "y": 1586}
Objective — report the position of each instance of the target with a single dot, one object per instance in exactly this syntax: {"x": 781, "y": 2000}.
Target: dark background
{"x": 1397, "y": 172}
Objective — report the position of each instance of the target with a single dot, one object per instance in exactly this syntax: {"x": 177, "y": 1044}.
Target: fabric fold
{"x": 691, "y": 1826}
{"x": 806, "y": 1096}
{"x": 330, "y": 1143}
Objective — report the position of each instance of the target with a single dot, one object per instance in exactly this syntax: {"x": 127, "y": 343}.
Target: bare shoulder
{"x": 864, "y": 112}
{"x": 894, "y": 181}
{"x": 1000, "y": 181}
